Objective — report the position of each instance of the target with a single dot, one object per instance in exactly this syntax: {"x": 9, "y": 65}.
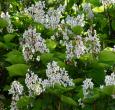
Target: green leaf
{"x": 24, "y": 101}
{"x": 68, "y": 100}
{"x": 77, "y": 30}
{"x": 59, "y": 89}
{"x": 2, "y": 45}
{"x": 108, "y": 90}
{"x": 8, "y": 37}
{"x": 98, "y": 9}
{"x": 46, "y": 57}
{"x": 17, "y": 70}
{"x": 40, "y": 28}
{"x": 15, "y": 57}
{"x": 51, "y": 44}
{"x": 3, "y": 23}
{"x": 107, "y": 57}
{"x": 96, "y": 72}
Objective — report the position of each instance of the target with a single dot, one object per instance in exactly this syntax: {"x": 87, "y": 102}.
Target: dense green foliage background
{"x": 14, "y": 67}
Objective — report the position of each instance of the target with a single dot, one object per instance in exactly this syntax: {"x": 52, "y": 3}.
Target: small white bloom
{"x": 78, "y": 21}
{"x": 87, "y": 86}
{"x": 58, "y": 75}
{"x": 7, "y": 17}
{"x": 33, "y": 83}
{"x": 32, "y": 42}
{"x": 16, "y": 90}
{"x": 93, "y": 42}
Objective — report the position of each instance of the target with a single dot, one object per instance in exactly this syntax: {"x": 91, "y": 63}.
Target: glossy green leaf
{"x": 3, "y": 23}
{"x": 46, "y": 57}
{"x": 17, "y": 70}
{"x": 68, "y": 100}
{"x": 24, "y": 101}
{"x": 107, "y": 57}
{"x": 51, "y": 44}
{"x": 98, "y": 9}
{"x": 9, "y": 37}
{"x": 77, "y": 30}
{"x": 15, "y": 57}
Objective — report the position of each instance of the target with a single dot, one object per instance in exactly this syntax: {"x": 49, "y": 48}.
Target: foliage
{"x": 57, "y": 54}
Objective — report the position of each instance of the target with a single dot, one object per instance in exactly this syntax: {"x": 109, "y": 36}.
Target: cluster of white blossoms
{"x": 57, "y": 75}
{"x": 16, "y": 90}
{"x": 50, "y": 19}
{"x": 37, "y": 12}
{"x": 75, "y": 50}
{"x": 33, "y": 83}
{"x": 107, "y": 2}
{"x": 75, "y": 21}
{"x": 113, "y": 49}
{"x": 69, "y": 51}
{"x": 53, "y": 17}
{"x": 6, "y": 17}
{"x": 87, "y": 87}
{"x": 110, "y": 79}
{"x": 79, "y": 48}
{"x": 32, "y": 43}
{"x": 92, "y": 42}
{"x": 81, "y": 103}
{"x": 88, "y": 10}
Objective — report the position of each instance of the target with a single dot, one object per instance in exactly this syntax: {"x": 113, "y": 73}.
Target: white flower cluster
{"x": 16, "y": 91}
{"x": 50, "y": 19}
{"x": 53, "y": 17}
{"x": 6, "y": 17}
{"x": 87, "y": 87}
{"x": 37, "y": 12}
{"x": 93, "y": 42}
{"x": 69, "y": 51}
{"x": 32, "y": 42}
{"x": 75, "y": 50}
{"x": 110, "y": 79}
{"x": 80, "y": 48}
{"x": 88, "y": 10}
{"x": 107, "y": 2}
{"x": 75, "y": 21}
{"x": 33, "y": 83}
{"x": 81, "y": 103}
{"x": 55, "y": 74}
{"x": 113, "y": 49}
{"x": 58, "y": 75}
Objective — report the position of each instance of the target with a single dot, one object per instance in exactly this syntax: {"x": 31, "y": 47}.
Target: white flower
{"x": 86, "y": 7}
{"x": 37, "y": 11}
{"x": 6, "y": 16}
{"x": 69, "y": 51}
{"x": 75, "y": 50}
{"x": 50, "y": 19}
{"x": 79, "y": 48}
{"x": 16, "y": 90}
{"x": 32, "y": 42}
{"x": 93, "y": 42}
{"x": 58, "y": 75}
{"x": 113, "y": 48}
{"x": 107, "y": 2}
{"x": 81, "y": 103}
{"x": 110, "y": 79}
{"x": 76, "y": 21}
{"x": 33, "y": 83}
{"x": 53, "y": 17}
{"x": 87, "y": 86}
